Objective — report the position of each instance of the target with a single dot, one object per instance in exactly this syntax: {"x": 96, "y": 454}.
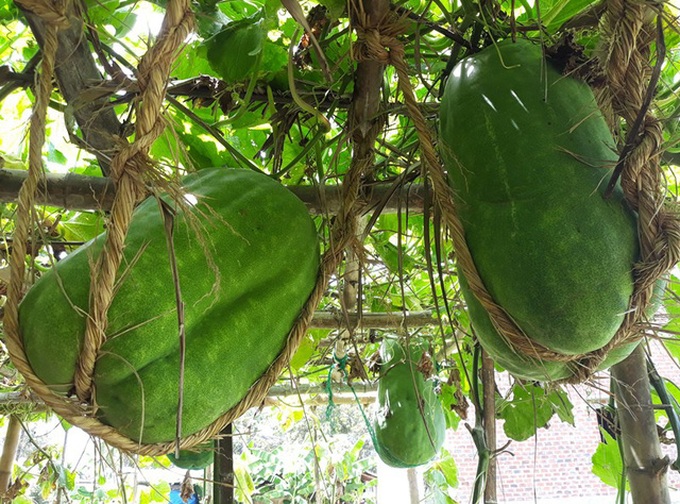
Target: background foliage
{"x": 250, "y": 91}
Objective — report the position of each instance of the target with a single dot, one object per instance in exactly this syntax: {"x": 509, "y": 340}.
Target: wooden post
{"x": 223, "y": 469}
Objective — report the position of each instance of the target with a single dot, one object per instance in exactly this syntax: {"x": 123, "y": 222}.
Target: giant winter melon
{"x": 528, "y": 155}
{"x": 409, "y": 425}
{"x": 247, "y": 262}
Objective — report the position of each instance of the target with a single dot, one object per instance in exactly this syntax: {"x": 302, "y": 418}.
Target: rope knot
{"x": 379, "y": 41}
{"x": 374, "y": 45}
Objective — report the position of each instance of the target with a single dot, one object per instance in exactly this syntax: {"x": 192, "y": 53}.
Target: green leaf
{"x": 67, "y": 478}
{"x": 54, "y": 155}
{"x": 202, "y": 150}
{"x": 562, "y": 405}
{"x": 82, "y": 226}
{"x": 8, "y": 12}
{"x": 447, "y": 466}
{"x": 389, "y": 253}
{"x": 191, "y": 62}
{"x": 448, "y": 399}
{"x": 243, "y": 484}
{"x": 110, "y": 12}
{"x": 528, "y": 411}
{"x": 307, "y": 348}
{"x": 440, "y": 477}
{"x": 233, "y": 51}
{"x": 211, "y": 21}
{"x": 64, "y": 424}
{"x": 607, "y": 462}
{"x": 673, "y": 310}
{"x": 561, "y": 11}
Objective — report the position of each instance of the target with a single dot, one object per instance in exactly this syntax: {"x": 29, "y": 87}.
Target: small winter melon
{"x": 195, "y": 459}
{"x": 409, "y": 425}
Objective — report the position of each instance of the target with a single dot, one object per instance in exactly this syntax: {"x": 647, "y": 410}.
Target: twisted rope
{"x": 628, "y": 30}
{"x": 127, "y": 170}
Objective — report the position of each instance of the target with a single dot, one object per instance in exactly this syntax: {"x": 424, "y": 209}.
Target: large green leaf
{"x": 233, "y": 52}
{"x": 81, "y": 226}
{"x": 607, "y": 462}
{"x": 530, "y": 409}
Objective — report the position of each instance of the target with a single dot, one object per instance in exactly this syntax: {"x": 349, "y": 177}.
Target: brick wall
{"x": 556, "y": 463}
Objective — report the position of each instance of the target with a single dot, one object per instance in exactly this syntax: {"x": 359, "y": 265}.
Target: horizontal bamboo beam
{"x": 80, "y": 192}
{"x": 377, "y": 320}
{"x": 316, "y": 394}
{"x": 310, "y": 393}
{"x": 342, "y": 394}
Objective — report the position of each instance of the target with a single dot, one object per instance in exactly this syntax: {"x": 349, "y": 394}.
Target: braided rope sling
{"x": 131, "y": 169}
{"x": 628, "y": 35}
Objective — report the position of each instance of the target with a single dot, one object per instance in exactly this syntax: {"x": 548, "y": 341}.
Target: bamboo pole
{"x": 9, "y": 453}
{"x": 646, "y": 467}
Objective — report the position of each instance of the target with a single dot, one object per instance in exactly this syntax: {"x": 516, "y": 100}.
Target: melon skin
{"x": 264, "y": 247}
{"x": 405, "y": 436}
{"x": 528, "y": 155}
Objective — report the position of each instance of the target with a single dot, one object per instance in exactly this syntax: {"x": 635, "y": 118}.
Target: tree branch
{"x": 76, "y": 71}
{"x": 79, "y": 192}
{"x": 384, "y": 320}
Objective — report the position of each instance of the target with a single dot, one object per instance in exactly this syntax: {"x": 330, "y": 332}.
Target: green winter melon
{"x": 528, "y": 155}
{"x": 409, "y": 426}
{"x": 240, "y": 305}
{"x": 200, "y": 458}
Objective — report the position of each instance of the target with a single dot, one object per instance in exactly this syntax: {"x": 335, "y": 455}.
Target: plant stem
{"x": 489, "y": 399}
{"x": 667, "y": 402}
{"x": 478, "y": 433}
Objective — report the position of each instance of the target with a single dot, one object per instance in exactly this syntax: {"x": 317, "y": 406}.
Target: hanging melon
{"x": 528, "y": 155}
{"x": 248, "y": 260}
{"x": 409, "y": 426}
{"x": 198, "y": 458}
